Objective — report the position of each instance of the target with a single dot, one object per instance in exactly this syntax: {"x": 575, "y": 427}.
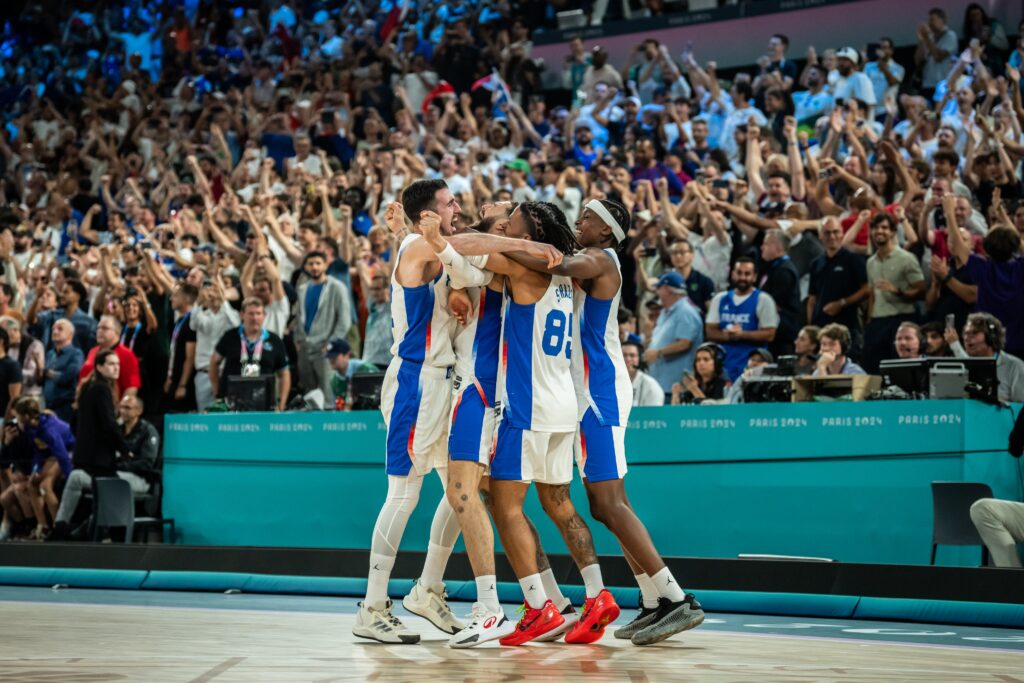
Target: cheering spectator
{"x": 379, "y": 336}
{"x": 885, "y": 73}
{"x": 646, "y": 390}
{"x": 936, "y": 49}
{"x": 108, "y": 335}
{"x": 210, "y": 319}
{"x": 63, "y": 364}
{"x": 834, "y": 341}
{"x": 676, "y": 334}
{"x": 324, "y": 313}
{"x": 838, "y": 283}
{"x": 781, "y": 282}
{"x": 985, "y": 337}
{"x": 999, "y": 278}
{"x": 896, "y": 282}
{"x": 73, "y": 296}
{"x": 741, "y": 319}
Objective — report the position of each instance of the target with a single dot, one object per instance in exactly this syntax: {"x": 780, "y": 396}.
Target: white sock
{"x": 377, "y": 584}
{"x": 487, "y": 592}
{"x": 433, "y": 566}
{"x": 647, "y": 590}
{"x": 533, "y": 591}
{"x": 592, "y": 579}
{"x": 667, "y": 587}
{"x": 551, "y": 588}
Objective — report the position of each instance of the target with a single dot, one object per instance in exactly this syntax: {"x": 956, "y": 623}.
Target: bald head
{"x": 62, "y": 333}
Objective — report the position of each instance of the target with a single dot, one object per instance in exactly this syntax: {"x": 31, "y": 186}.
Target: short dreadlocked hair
{"x": 546, "y": 223}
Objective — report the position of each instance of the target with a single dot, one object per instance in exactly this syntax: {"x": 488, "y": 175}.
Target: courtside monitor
{"x": 249, "y": 394}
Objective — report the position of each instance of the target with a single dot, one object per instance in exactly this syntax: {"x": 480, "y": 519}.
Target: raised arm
{"x": 960, "y": 249}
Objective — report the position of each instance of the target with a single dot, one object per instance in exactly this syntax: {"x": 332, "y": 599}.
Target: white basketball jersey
{"x": 478, "y": 342}
{"x": 420, "y": 320}
{"x": 599, "y": 372}
{"x": 537, "y": 349}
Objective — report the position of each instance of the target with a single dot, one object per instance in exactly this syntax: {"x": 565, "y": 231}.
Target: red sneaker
{"x": 534, "y": 623}
{"x": 597, "y": 613}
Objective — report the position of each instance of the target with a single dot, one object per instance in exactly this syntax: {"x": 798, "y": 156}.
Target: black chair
{"x": 151, "y": 504}
{"x": 951, "y": 524}
{"x": 114, "y": 506}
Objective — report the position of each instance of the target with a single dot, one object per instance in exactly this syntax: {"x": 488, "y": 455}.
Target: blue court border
{"x": 741, "y": 602}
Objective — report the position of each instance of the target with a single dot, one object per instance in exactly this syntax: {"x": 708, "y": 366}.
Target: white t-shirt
{"x": 880, "y": 83}
{"x": 647, "y": 391}
{"x": 277, "y": 316}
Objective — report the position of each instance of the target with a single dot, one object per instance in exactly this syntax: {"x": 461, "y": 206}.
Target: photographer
{"x": 250, "y": 351}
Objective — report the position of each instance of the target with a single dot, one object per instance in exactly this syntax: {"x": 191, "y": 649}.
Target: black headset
{"x": 991, "y": 332}
{"x": 717, "y": 353}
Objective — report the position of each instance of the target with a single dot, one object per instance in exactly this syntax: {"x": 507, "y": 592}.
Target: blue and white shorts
{"x": 600, "y": 449}
{"x": 474, "y": 421}
{"x": 529, "y": 456}
{"x": 416, "y": 401}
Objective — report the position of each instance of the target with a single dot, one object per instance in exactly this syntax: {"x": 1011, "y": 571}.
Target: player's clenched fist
{"x": 393, "y": 216}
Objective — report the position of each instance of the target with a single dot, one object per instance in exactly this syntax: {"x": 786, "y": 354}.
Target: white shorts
{"x": 416, "y": 401}
{"x": 539, "y": 457}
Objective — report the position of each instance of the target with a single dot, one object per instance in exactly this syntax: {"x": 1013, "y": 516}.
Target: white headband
{"x": 597, "y": 207}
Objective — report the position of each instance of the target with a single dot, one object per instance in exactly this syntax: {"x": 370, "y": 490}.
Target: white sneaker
{"x": 381, "y": 625}
{"x": 484, "y": 625}
{"x": 432, "y": 605}
{"x": 570, "y": 615}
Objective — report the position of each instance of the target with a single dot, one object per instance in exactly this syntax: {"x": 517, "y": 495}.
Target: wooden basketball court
{"x": 102, "y": 635}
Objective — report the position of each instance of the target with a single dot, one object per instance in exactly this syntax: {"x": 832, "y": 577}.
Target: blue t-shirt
{"x": 681, "y": 320}
{"x": 279, "y": 147}
{"x": 312, "y": 304}
{"x": 999, "y": 288}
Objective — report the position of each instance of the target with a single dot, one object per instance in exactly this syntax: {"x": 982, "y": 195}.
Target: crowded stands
{"x": 196, "y": 191}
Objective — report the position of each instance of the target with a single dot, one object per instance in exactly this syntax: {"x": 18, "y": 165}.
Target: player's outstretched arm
{"x": 584, "y": 265}
{"x": 478, "y": 244}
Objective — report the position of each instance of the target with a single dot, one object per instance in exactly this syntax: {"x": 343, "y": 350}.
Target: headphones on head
{"x": 717, "y": 353}
{"x": 989, "y": 329}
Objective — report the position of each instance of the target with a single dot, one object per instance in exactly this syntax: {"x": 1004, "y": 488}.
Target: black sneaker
{"x": 644, "y": 618}
{"x": 672, "y": 618}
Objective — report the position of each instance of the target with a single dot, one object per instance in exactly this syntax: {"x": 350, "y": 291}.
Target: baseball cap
{"x": 672, "y": 279}
{"x": 848, "y": 53}
{"x": 765, "y": 354}
{"x": 337, "y": 347}
{"x": 519, "y": 165}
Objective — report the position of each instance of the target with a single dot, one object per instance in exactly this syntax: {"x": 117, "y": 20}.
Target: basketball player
{"x": 476, "y": 299}
{"x": 415, "y": 401}
{"x": 538, "y": 424}
{"x": 604, "y": 394}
